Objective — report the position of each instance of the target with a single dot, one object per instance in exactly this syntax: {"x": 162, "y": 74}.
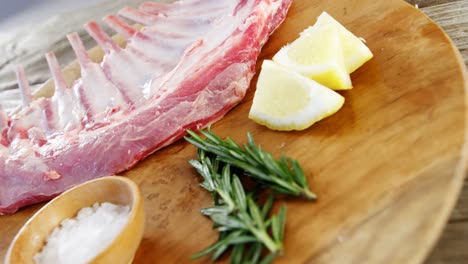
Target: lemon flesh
{"x": 319, "y": 56}
{"x": 286, "y": 100}
{"x": 355, "y": 52}
{"x": 326, "y": 52}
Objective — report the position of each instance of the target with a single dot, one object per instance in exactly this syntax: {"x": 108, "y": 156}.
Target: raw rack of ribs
{"x": 191, "y": 62}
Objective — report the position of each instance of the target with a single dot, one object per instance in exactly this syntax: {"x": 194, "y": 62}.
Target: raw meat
{"x": 190, "y": 64}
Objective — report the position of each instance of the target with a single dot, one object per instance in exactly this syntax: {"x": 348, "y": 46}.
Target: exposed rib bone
{"x": 3, "y": 128}
{"x": 24, "y": 86}
{"x": 49, "y": 117}
{"x": 56, "y": 72}
{"x": 138, "y": 16}
{"x": 98, "y": 96}
{"x": 122, "y": 68}
{"x": 156, "y": 8}
{"x": 31, "y": 113}
{"x": 184, "y": 8}
{"x": 103, "y": 40}
{"x": 67, "y": 112}
{"x": 3, "y": 118}
{"x": 119, "y": 26}
{"x": 79, "y": 49}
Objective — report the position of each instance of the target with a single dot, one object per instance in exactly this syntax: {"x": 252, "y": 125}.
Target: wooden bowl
{"x": 118, "y": 190}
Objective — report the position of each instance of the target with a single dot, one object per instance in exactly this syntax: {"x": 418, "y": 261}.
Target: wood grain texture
{"x": 452, "y": 16}
{"x": 428, "y": 3}
{"x": 452, "y": 245}
{"x": 374, "y": 201}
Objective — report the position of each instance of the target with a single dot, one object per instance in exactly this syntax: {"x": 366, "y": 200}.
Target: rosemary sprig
{"x": 237, "y": 217}
{"x": 284, "y": 175}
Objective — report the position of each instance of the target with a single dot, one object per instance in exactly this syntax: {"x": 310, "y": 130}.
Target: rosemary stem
{"x": 235, "y": 214}
{"x": 266, "y": 240}
{"x": 308, "y": 194}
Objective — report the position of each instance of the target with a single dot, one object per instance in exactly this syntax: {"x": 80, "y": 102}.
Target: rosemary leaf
{"x": 267, "y": 205}
{"x": 297, "y": 172}
{"x": 228, "y": 221}
{"x": 215, "y": 210}
{"x": 206, "y": 251}
{"x": 275, "y": 229}
{"x": 239, "y": 193}
{"x": 284, "y": 175}
{"x": 255, "y": 213}
{"x": 243, "y": 225}
{"x": 237, "y": 254}
{"x": 268, "y": 259}
{"x": 219, "y": 252}
{"x": 254, "y": 253}
{"x": 282, "y": 222}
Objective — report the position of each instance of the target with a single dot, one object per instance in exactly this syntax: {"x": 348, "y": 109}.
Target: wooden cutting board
{"x": 387, "y": 167}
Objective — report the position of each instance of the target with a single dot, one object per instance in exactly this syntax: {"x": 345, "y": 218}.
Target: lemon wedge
{"x": 317, "y": 54}
{"x": 286, "y": 100}
{"x": 326, "y": 52}
{"x": 355, "y": 52}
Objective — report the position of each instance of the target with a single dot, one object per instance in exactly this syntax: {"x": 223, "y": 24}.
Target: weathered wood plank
{"x": 452, "y": 246}
{"x": 460, "y": 213}
{"x": 452, "y": 16}
{"x": 426, "y": 3}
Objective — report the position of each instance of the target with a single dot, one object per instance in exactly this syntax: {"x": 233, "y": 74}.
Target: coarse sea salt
{"x": 80, "y": 239}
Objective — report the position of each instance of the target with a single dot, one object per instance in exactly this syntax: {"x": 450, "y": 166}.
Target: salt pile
{"x": 78, "y": 240}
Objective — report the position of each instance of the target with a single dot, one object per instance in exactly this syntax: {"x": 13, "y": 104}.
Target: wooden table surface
{"x": 452, "y": 16}
{"x": 26, "y": 46}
